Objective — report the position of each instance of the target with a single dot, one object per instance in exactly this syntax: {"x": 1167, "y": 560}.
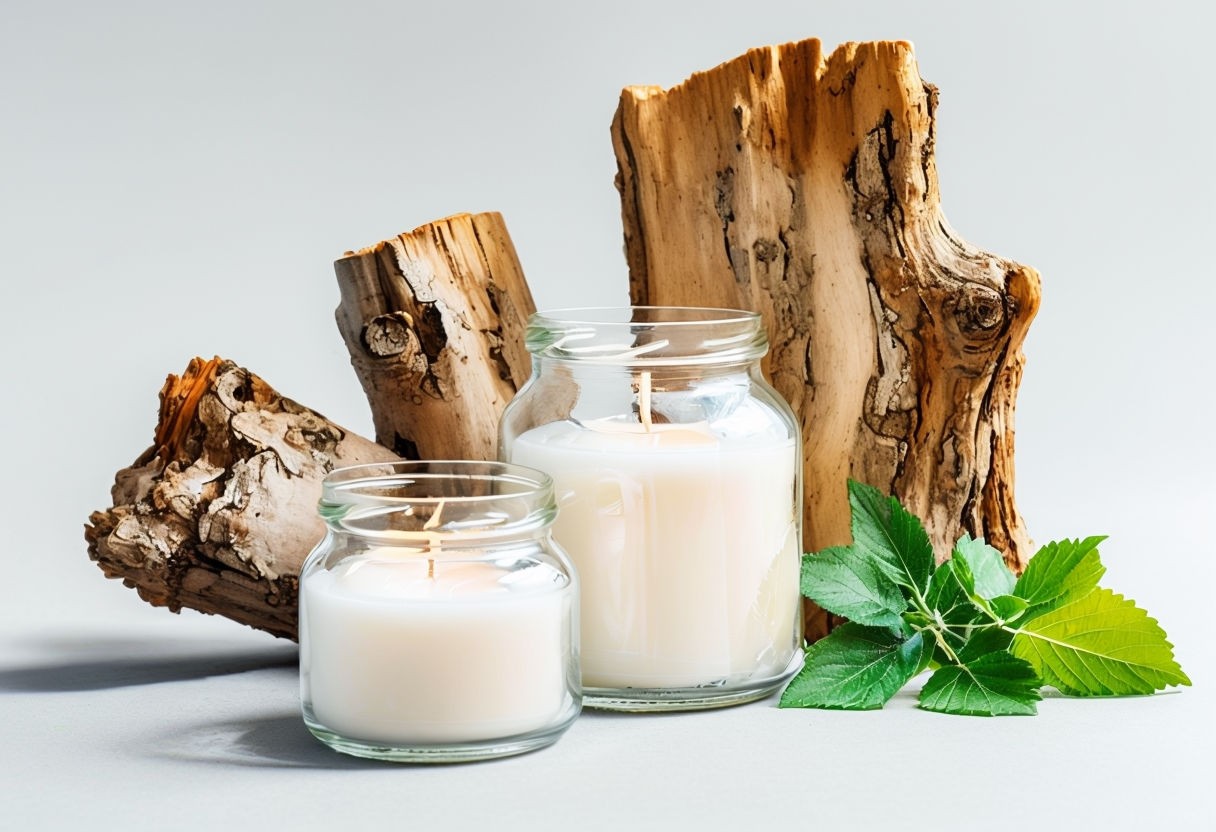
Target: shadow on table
{"x": 114, "y": 663}
{"x": 271, "y": 741}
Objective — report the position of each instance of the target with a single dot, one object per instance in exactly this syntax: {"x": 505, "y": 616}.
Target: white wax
{"x": 473, "y": 653}
{"x": 686, "y": 550}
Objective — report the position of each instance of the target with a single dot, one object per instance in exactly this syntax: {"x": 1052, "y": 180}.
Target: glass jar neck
{"x": 648, "y": 338}
{"x": 592, "y": 372}
{"x": 448, "y": 505}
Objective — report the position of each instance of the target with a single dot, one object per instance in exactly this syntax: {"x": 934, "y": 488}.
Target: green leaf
{"x": 951, "y": 593}
{"x": 893, "y": 536}
{"x": 982, "y": 642}
{"x": 945, "y": 591}
{"x": 846, "y": 583}
{"x": 996, "y": 640}
{"x": 1061, "y": 572}
{"x": 1101, "y": 644}
{"x": 1009, "y": 607}
{"x": 993, "y": 684}
{"x": 948, "y": 598}
{"x": 963, "y": 576}
{"x": 855, "y": 668}
{"x": 991, "y": 576}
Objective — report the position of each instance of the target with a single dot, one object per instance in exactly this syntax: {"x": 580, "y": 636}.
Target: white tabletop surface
{"x": 177, "y": 179}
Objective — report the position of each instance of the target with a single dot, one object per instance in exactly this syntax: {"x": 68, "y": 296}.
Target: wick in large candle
{"x": 644, "y": 400}
{"x": 433, "y": 540}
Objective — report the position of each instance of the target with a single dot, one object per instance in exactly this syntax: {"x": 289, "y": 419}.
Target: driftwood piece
{"x": 219, "y": 514}
{"x": 434, "y": 320}
{"x": 804, "y": 186}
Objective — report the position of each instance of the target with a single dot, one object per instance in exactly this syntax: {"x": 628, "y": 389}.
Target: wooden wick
{"x": 433, "y": 540}
{"x": 644, "y": 400}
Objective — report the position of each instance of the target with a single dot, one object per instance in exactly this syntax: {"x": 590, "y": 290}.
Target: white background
{"x": 176, "y": 180}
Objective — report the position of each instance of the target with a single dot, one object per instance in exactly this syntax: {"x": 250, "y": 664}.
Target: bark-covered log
{"x": 434, "y": 320}
{"x": 219, "y": 514}
{"x": 804, "y": 186}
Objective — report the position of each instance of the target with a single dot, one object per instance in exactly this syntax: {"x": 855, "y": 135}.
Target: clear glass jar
{"x": 438, "y": 619}
{"x": 679, "y": 477}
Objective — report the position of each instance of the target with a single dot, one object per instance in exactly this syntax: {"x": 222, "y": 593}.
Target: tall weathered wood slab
{"x": 804, "y": 185}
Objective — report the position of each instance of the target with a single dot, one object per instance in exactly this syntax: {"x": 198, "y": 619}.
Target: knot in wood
{"x": 236, "y": 389}
{"x": 387, "y": 335}
{"x": 767, "y": 250}
{"x": 312, "y": 431}
{"x": 979, "y": 310}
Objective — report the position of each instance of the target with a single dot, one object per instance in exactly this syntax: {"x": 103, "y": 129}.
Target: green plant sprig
{"x": 993, "y": 640}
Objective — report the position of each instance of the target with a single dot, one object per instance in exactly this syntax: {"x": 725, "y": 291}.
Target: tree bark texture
{"x": 804, "y": 186}
{"x": 219, "y": 514}
{"x": 434, "y": 320}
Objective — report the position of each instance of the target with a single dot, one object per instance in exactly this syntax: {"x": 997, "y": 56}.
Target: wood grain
{"x": 804, "y": 186}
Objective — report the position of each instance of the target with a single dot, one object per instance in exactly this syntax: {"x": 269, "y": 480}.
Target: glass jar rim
{"x": 647, "y": 335}
{"x": 504, "y": 500}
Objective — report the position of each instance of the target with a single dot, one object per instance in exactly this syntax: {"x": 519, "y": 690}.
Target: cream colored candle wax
{"x": 402, "y": 649}
{"x": 686, "y": 547}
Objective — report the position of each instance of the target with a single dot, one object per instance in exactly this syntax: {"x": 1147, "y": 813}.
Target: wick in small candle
{"x": 644, "y": 400}
{"x": 434, "y": 520}
{"x": 433, "y": 540}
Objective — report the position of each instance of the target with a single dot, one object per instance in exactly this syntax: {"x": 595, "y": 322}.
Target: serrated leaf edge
{"x": 892, "y": 617}
{"x": 1052, "y": 678}
{"x": 965, "y": 668}
{"x": 852, "y": 705}
{"x": 893, "y": 505}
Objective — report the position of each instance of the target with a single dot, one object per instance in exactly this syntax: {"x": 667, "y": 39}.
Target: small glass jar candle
{"x": 678, "y": 475}
{"x": 438, "y": 619}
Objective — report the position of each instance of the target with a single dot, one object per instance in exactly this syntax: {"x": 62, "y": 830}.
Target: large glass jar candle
{"x": 678, "y": 478}
{"x": 438, "y": 619}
